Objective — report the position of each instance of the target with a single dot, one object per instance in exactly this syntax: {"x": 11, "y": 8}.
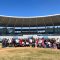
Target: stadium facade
{"x": 40, "y": 25}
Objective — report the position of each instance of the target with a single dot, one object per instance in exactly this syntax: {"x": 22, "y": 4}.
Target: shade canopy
{"x": 10, "y": 21}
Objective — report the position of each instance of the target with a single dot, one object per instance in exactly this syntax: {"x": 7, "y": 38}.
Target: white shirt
{"x": 27, "y": 43}
{"x": 40, "y": 41}
{"x": 10, "y": 40}
{"x": 17, "y": 41}
{"x": 58, "y": 40}
{"x": 30, "y": 40}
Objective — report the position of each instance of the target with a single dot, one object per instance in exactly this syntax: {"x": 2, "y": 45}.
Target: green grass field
{"x": 29, "y": 53}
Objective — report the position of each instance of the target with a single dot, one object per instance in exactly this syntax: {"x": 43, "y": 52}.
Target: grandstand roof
{"x": 11, "y": 21}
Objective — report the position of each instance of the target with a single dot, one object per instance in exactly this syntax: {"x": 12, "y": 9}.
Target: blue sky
{"x": 29, "y": 7}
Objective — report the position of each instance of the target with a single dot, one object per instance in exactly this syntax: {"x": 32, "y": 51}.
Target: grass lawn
{"x": 29, "y": 53}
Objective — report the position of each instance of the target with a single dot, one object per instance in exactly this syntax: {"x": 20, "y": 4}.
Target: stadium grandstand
{"x": 39, "y": 25}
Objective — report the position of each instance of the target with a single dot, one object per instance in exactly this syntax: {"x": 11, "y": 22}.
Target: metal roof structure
{"x": 13, "y": 21}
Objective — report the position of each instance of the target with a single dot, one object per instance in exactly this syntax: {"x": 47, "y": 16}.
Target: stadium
{"x": 29, "y": 29}
{"x": 39, "y": 25}
{"x": 17, "y": 44}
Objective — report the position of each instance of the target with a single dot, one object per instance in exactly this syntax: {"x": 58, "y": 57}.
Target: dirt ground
{"x": 29, "y": 53}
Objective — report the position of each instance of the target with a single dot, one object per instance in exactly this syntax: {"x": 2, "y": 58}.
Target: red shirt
{"x": 20, "y": 41}
{"x": 36, "y": 41}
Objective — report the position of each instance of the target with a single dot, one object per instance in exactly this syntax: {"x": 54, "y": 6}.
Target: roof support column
{"x": 1, "y": 24}
{"x": 57, "y": 30}
{"x": 7, "y": 25}
{"x": 2, "y": 29}
{"x": 4, "y": 32}
{"x": 15, "y": 24}
{"x": 37, "y": 25}
{"x": 53, "y": 25}
{"x": 8, "y": 22}
{"x": 29, "y": 25}
{"x": 45, "y": 25}
{"x": 14, "y": 27}
{"x": 22, "y": 25}
{"x": 3, "y": 20}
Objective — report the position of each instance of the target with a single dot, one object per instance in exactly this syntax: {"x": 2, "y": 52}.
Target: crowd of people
{"x": 31, "y": 42}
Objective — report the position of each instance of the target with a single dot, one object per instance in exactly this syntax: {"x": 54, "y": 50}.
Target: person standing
{"x": 36, "y": 43}
{"x": 20, "y": 42}
{"x": 43, "y": 44}
{"x": 58, "y": 43}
